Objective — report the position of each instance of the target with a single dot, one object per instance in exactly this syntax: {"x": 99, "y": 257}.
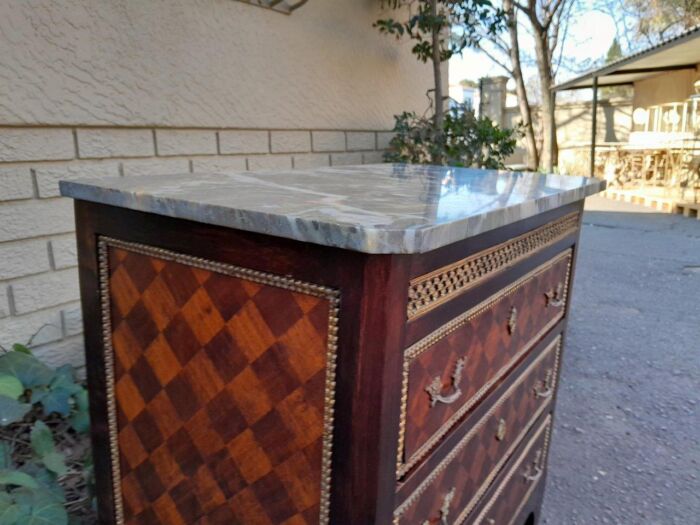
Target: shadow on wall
{"x": 609, "y": 123}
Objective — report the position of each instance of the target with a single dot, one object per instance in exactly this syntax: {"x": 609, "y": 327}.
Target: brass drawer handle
{"x": 534, "y": 476}
{"x": 555, "y": 297}
{"x": 547, "y": 384}
{"x": 435, "y": 387}
{"x": 512, "y": 320}
{"x": 534, "y": 472}
{"x": 501, "y": 430}
{"x": 445, "y": 508}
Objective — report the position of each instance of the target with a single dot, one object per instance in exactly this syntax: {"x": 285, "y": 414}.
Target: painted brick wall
{"x": 39, "y": 296}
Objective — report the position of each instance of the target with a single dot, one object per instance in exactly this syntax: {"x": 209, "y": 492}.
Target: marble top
{"x": 382, "y": 208}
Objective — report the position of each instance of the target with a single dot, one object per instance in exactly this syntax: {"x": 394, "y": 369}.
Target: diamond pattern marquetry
{"x": 219, "y": 395}
{"x": 476, "y": 460}
{"x": 491, "y": 338}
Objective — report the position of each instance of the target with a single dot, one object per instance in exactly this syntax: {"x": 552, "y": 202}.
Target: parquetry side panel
{"x": 222, "y": 385}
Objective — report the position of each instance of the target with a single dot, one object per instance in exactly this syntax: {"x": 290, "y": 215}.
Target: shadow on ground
{"x": 626, "y": 444}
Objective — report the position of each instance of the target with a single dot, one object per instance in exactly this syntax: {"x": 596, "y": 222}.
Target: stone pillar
{"x": 493, "y": 98}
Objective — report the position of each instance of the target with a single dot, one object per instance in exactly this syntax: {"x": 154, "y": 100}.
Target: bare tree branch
{"x": 551, "y": 12}
{"x": 564, "y": 18}
{"x": 496, "y": 60}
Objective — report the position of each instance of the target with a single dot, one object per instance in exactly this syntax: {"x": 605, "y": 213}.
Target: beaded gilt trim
{"x": 430, "y": 478}
{"x": 295, "y": 285}
{"x": 405, "y": 464}
{"x": 431, "y": 290}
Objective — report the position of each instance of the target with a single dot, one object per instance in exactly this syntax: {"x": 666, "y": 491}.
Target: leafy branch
{"x": 441, "y": 29}
{"x": 465, "y": 140}
{"x": 45, "y": 465}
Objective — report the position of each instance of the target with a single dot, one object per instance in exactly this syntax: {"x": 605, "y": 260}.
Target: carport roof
{"x": 679, "y": 52}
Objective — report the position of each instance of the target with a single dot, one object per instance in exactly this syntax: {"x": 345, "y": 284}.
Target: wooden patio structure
{"x": 664, "y": 147}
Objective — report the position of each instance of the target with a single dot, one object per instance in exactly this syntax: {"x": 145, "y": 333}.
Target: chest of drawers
{"x": 372, "y": 345}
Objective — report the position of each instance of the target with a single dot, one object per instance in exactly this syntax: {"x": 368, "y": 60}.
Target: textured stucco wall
{"x": 141, "y": 87}
{"x": 204, "y": 63}
{"x": 39, "y": 296}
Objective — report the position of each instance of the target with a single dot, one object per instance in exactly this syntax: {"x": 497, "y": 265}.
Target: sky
{"x": 590, "y": 37}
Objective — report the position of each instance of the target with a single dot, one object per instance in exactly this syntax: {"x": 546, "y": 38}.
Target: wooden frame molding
{"x": 330, "y": 294}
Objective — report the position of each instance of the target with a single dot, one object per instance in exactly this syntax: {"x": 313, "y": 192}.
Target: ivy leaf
{"x": 44, "y": 447}
{"x": 10, "y": 386}
{"x": 55, "y": 462}
{"x": 10, "y": 514}
{"x": 27, "y": 368}
{"x": 12, "y": 410}
{"x": 46, "y": 480}
{"x": 80, "y": 421}
{"x": 22, "y": 499}
{"x": 41, "y": 507}
{"x": 5, "y": 456}
{"x": 17, "y": 478}
{"x": 21, "y": 348}
{"x": 57, "y": 400}
{"x": 47, "y": 511}
{"x": 41, "y": 439}
{"x": 37, "y": 395}
{"x": 62, "y": 388}
{"x": 64, "y": 379}
{"x": 5, "y": 500}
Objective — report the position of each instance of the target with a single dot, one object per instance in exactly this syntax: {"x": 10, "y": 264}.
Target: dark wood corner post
{"x": 365, "y": 456}
{"x": 553, "y": 151}
{"x": 594, "y": 124}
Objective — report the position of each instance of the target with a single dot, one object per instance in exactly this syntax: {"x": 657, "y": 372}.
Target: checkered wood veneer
{"x": 474, "y": 462}
{"x": 220, "y": 387}
{"x": 490, "y": 346}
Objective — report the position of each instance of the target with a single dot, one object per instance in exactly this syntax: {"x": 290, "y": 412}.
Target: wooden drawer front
{"x": 458, "y": 482}
{"x": 519, "y": 483}
{"x": 448, "y": 372}
{"x": 220, "y": 390}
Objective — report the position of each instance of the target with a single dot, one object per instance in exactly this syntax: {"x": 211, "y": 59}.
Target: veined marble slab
{"x": 382, "y": 208}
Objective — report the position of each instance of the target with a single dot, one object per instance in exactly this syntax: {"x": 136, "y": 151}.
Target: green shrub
{"x": 464, "y": 141}
{"x": 45, "y": 462}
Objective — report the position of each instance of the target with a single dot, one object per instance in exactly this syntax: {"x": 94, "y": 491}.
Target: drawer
{"x": 520, "y": 481}
{"x": 456, "y": 485}
{"x": 448, "y": 372}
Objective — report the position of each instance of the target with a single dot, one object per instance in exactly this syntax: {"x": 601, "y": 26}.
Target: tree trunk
{"x": 533, "y": 158}
{"x": 437, "y": 76}
{"x": 550, "y": 150}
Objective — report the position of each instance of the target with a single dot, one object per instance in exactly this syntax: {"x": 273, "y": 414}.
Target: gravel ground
{"x": 626, "y": 443}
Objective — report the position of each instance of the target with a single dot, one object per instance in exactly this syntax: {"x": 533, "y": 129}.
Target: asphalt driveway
{"x": 626, "y": 444}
